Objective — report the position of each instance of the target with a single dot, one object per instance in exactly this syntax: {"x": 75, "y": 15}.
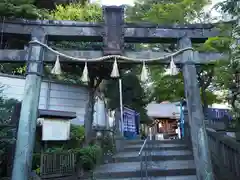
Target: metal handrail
{"x": 142, "y": 147}
{"x": 145, "y": 158}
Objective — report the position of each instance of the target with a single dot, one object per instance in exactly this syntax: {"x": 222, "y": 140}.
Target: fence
{"x": 225, "y": 154}
{"x": 60, "y": 164}
{"x": 224, "y": 151}
{"x": 57, "y": 164}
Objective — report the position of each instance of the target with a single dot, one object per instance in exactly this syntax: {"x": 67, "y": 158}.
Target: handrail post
{"x": 141, "y": 167}
{"x": 145, "y": 162}
{"x": 144, "y": 149}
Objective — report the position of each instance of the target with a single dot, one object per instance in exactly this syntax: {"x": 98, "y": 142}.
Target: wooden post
{"x": 29, "y": 111}
{"x": 195, "y": 112}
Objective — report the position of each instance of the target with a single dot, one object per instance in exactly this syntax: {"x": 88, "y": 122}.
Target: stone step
{"x": 132, "y": 169}
{"x": 191, "y": 177}
{"x": 156, "y": 156}
{"x": 157, "y": 147}
{"x": 167, "y": 141}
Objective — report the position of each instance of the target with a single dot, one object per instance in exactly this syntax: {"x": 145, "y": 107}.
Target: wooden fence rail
{"x": 225, "y": 153}
{"x": 57, "y": 164}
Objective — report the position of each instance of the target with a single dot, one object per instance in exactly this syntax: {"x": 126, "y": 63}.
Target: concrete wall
{"x": 53, "y": 96}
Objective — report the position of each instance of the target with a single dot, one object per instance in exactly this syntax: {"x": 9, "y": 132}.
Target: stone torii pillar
{"x": 195, "y": 112}
{"x": 29, "y": 111}
{"x": 113, "y": 40}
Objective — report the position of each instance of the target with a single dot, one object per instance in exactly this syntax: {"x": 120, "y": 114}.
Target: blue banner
{"x": 130, "y": 123}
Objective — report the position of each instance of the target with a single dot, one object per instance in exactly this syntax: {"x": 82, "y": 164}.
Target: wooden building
{"x": 165, "y": 116}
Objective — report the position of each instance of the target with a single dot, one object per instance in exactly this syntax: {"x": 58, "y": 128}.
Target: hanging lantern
{"x": 173, "y": 68}
{"x": 115, "y": 71}
{"x": 144, "y": 73}
{"x": 85, "y": 77}
{"x": 57, "y": 67}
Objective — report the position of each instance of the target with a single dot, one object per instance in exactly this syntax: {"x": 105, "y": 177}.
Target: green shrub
{"x": 77, "y": 133}
{"x": 36, "y": 161}
{"x": 88, "y": 157}
{"x": 107, "y": 144}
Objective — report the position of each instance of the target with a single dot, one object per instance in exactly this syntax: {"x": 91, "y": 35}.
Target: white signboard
{"x": 55, "y": 130}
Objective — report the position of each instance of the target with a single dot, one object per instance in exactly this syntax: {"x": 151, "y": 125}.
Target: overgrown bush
{"x": 107, "y": 144}
{"x": 36, "y": 162}
{"x": 88, "y": 157}
{"x": 7, "y": 129}
{"x": 77, "y": 133}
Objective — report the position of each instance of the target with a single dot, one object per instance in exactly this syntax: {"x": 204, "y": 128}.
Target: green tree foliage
{"x": 75, "y": 12}
{"x": 221, "y": 79}
{"x": 166, "y": 87}
{"x": 133, "y": 94}
{"x": 230, "y": 6}
{"x": 173, "y": 12}
{"x": 6, "y": 108}
{"x": 229, "y": 78}
{"x": 88, "y": 157}
{"x": 77, "y": 132}
{"x": 90, "y": 12}
{"x": 165, "y": 11}
{"x": 20, "y": 9}
{"x": 6, "y": 130}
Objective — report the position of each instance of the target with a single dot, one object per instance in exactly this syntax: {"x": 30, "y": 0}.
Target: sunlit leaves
{"x": 166, "y": 11}
{"x": 76, "y": 12}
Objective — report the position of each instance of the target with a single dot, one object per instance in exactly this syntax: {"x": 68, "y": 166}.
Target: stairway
{"x": 171, "y": 160}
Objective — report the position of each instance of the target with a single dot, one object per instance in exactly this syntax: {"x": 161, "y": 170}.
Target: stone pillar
{"x": 113, "y": 39}
{"x": 186, "y": 126}
{"x": 195, "y": 114}
{"x": 29, "y": 110}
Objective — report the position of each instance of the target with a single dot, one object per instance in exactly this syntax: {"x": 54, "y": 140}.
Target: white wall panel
{"x": 53, "y": 96}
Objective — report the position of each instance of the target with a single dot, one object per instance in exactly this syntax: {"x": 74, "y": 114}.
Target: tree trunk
{"x": 117, "y": 117}
{"x": 205, "y": 104}
{"x": 88, "y": 119}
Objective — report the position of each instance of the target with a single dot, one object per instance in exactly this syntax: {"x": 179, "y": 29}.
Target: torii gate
{"x": 113, "y": 33}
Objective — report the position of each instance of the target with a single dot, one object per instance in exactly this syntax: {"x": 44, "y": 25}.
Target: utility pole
{"x": 29, "y": 112}
{"x": 195, "y": 112}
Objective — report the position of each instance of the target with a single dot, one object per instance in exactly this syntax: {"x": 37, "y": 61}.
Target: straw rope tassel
{"x": 85, "y": 77}
{"x": 57, "y": 67}
{"x": 115, "y": 71}
{"x": 144, "y": 73}
{"x": 173, "y": 68}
